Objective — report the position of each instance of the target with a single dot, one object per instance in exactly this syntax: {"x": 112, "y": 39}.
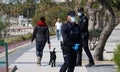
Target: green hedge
{"x": 117, "y": 57}
{"x": 17, "y": 38}
{"x": 22, "y": 37}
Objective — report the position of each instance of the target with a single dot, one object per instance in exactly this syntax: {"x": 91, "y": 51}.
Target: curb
{"x": 12, "y": 50}
{"x": 16, "y": 48}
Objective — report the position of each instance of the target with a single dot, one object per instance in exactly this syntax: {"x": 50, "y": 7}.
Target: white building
{"x": 19, "y": 26}
{"x": 1, "y": 1}
{"x": 13, "y": 21}
{"x": 24, "y": 21}
{"x": 9, "y": 1}
{"x": 20, "y": 21}
{"x": 60, "y": 0}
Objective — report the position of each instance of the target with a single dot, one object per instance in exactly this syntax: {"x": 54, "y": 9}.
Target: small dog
{"x": 52, "y": 61}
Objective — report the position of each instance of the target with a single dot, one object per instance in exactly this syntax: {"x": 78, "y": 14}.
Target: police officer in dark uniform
{"x": 70, "y": 34}
{"x": 83, "y": 24}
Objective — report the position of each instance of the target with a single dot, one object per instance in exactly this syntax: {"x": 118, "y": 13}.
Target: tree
{"x": 29, "y": 8}
{"x": 112, "y": 22}
{"x": 17, "y": 9}
{"x": 92, "y": 14}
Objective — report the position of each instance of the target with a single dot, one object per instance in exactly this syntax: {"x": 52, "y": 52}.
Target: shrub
{"x": 117, "y": 57}
{"x": 94, "y": 37}
{"x": 26, "y": 37}
{"x": 17, "y": 38}
{"x": 52, "y": 31}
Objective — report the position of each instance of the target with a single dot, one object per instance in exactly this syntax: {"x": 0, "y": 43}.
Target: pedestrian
{"x": 58, "y": 25}
{"x": 70, "y": 34}
{"x": 41, "y": 34}
{"x": 83, "y": 24}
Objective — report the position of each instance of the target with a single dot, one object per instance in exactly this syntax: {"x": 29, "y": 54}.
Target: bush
{"x": 52, "y": 31}
{"x": 95, "y": 33}
{"x": 26, "y": 37}
{"x": 17, "y": 38}
{"x": 94, "y": 37}
{"x": 117, "y": 57}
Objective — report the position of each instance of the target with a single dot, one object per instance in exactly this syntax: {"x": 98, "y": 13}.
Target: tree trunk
{"x": 98, "y": 55}
{"x": 99, "y": 18}
{"x": 92, "y": 15}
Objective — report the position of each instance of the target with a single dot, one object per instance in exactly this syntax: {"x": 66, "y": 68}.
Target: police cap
{"x": 80, "y": 9}
{"x": 71, "y": 13}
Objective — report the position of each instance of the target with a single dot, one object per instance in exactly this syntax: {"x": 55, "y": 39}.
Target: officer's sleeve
{"x": 66, "y": 40}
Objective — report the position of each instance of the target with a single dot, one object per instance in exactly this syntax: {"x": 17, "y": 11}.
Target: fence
{"x": 15, "y": 31}
{"x": 6, "y": 54}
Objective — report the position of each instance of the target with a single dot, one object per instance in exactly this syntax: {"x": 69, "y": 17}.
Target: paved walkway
{"x": 112, "y": 43}
{"x": 25, "y": 59}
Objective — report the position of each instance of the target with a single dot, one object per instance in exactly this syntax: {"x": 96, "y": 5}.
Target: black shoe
{"x": 89, "y": 65}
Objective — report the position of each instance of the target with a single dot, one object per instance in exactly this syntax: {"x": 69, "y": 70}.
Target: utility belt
{"x": 65, "y": 48}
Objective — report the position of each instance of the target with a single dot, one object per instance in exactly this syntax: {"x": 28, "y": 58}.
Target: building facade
{"x": 1, "y": 1}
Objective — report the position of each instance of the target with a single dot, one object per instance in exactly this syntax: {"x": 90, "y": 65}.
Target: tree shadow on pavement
{"x": 102, "y": 68}
{"x": 99, "y": 65}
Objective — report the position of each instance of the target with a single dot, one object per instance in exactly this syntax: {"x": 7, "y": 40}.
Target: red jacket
{"x": 41, "y": 32}
{"x": 41, "y": 23}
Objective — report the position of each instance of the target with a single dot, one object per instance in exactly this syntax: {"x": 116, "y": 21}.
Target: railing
{"x": 6, "y": 54}
{"x": 15, "y": 32}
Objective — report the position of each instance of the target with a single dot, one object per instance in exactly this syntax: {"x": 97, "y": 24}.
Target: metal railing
{"x": 6, "y": 55}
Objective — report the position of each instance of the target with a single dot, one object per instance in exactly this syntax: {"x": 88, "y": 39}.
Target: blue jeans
{"x": 39, "y": 49}
{"x": 58, "y": 34}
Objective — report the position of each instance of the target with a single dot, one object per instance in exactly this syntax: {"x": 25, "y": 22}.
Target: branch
{"x": 106, "y": 5}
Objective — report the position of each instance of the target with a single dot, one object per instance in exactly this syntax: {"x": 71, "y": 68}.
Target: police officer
{"x": 70, "y": 34}
{"x": 83, "y": 24}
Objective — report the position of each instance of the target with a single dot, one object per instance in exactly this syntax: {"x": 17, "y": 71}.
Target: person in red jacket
{"x": 41, "y": 34}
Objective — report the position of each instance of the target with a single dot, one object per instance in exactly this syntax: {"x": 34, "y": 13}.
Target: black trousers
{"x": 69, "y": 61}
{"x": 84, "y": 45}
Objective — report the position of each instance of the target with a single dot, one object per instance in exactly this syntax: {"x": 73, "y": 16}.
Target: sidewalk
{"x": 14, "y": 45}
{"x": 25, "y": 60}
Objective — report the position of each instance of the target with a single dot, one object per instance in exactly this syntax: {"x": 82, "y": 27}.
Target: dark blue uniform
{"x": 71, "y": 35}
{"x": 83, "y": 25}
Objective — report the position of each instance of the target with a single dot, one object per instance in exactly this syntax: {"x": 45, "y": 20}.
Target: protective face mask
{"x": 79, "y": 14}
{"x": 73, "y": 19}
